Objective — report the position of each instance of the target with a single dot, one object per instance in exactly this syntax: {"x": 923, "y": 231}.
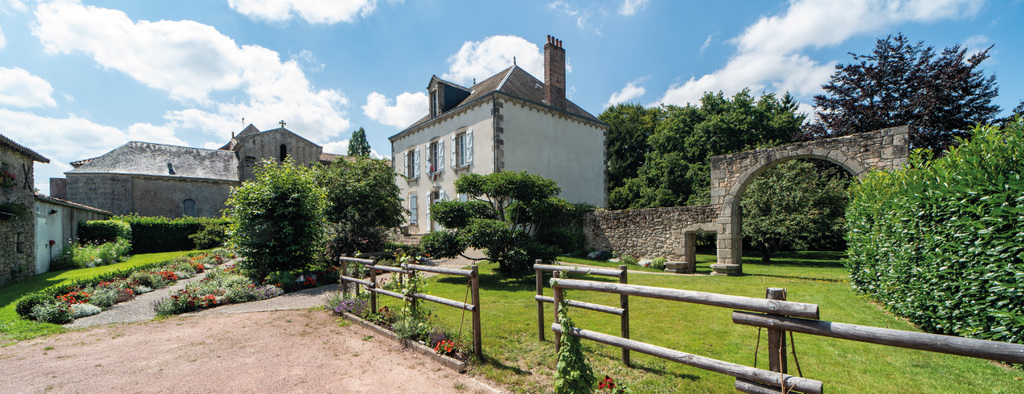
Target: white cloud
{"x": 309, "y": 59}
{"x": 3, "y": 40}
{"x": 768, "y": 53}
{"x": 313, "y": 11}
{"x": 19, "y": 88}
{"x": 630, "y": 92}
{"x": 15, "y": 5}
{"x": 190, "y": 60}
{"x": 975, "y": 44}
{"x": 579, "y": 15}
{"x": 341, "y": 148}
{"x": 408, "y": 108}
{"x": 707, "y": 43}
{"x": 630, "y": 7}
{"x": 482, "y": 59}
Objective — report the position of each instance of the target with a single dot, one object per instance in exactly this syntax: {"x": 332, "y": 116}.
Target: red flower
{"x": 607, "y": 383}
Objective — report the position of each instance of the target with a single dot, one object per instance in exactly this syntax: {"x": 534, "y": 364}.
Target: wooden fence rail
{"x": 622, "y": 311}
{"x": 778, "y": 316}
{"x": 410, "y": 270}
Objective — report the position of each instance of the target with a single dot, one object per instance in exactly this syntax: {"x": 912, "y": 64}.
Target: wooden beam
{"x": 359, "y": 281}
{"x": 584, "y": 305}
{"x": 978, "y": 348}
{"x": 385, "y": 268}
{"x": 443, "y": 301}
{"x": 438, "y": 270}
{"x": 355, "y": 260}
{"x": 786, "y": 308}
{"x": 726, "y": 368}
{"x": 578, "y": 270}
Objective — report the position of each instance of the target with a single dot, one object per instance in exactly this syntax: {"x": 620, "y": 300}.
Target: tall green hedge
{"x": 153, "y": 234}
{"x": 103, "y": 231}
{"x": 940, "y": 242}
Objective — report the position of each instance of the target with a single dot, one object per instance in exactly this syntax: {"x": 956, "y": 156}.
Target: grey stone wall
{"x": 645, "y": 233}
{"x": 267, "y": 145}
{"x": 17, "y": 234}
{"x": 109, "y": 192}
{"x": 157, "y": 196}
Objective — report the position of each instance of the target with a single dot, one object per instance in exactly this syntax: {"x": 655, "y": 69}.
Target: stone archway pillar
{"x": 729, "y": 247}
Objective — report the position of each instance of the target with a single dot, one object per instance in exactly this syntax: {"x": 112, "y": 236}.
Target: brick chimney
{"x": 554, "y": 73}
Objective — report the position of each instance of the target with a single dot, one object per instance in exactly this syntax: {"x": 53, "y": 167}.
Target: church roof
{"x": 515, "y": 82}
{"x": 145, "y": 158}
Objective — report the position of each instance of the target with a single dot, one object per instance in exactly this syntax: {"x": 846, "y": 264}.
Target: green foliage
{"x": 277, "y": 219}
{"x": 572, "y": 374}
{"x": 796, "y": 204}
{"x": 84, "y": 256}
{"x": 103, "y": 231}
{"x": 363, "y": 204}
{"x": 940, "y": 243}
{"x": 25, "y": 304}
{"x": 676, "y": 171}
{"x": 628, "y": 259}
{"x": 940, "y": 95}
{"x": 629, "y": 127}
{"x": 357, "y": 145}
{"x": 213, "y": 234}
{"x": 53, "y": 312}
{"x": 505, "y": 210}
{"x": 152, "y": 234}
{"x": 658, "y": 263}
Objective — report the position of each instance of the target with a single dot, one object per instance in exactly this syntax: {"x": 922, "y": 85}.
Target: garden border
{"x": 451, "y": 363}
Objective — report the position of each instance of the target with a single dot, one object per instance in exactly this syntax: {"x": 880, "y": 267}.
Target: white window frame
{"x": 462, "y": 149}
{"x": 413, "y": 210}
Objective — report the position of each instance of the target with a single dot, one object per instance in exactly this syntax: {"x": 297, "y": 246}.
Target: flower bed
{"x": 64, "y": 303}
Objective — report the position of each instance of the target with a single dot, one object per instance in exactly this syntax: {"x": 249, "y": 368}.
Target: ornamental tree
{"x": 277, "y": 219}
{"x": 795, "y": 203}
{"x": 363, "y": 204}
{"x": 507, "y": 215}
{"x": 899, "y": 83}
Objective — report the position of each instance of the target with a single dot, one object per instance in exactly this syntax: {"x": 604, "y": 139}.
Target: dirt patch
{"x": 287, "y": 351}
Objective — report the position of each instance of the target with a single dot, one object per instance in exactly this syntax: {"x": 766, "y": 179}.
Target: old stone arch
{"x": 671, "y": 232}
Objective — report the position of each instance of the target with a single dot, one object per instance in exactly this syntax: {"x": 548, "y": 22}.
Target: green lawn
{"x": 13, "y": 328}
{"x": 516, "y": 358}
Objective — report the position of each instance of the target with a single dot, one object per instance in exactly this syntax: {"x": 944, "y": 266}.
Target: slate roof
{"x": 145, "y": 158}
{"x": 60, "y": 201}
{"x": 22, "y": 149}
{"x": 515, "y": 82}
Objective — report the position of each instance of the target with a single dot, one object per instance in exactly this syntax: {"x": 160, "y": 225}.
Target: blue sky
{"x": 79, "y": 78}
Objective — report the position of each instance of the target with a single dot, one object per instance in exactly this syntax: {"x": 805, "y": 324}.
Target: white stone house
{"x": 509, "y": 122}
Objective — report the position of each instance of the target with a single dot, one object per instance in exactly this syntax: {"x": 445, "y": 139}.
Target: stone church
{"x": 152, "y": 179}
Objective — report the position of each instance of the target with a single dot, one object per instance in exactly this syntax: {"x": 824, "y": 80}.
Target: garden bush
{"x": 102, "y": 231}
{"x": 153, "y": 234}
{"x": 658, "y": 263}
{"x": 940, "y": 242}
{"x": 83, "y": 255}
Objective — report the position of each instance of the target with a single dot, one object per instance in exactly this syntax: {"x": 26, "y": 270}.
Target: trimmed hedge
{"x": 102, "y": 231}
{"x": 941, "y": 242}
{"x": 154, "y": 234}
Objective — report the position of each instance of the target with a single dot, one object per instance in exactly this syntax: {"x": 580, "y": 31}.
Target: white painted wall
{"x": 560, "y": 148}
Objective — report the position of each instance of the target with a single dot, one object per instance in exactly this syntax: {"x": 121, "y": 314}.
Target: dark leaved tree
{"x": 357, "y": 145}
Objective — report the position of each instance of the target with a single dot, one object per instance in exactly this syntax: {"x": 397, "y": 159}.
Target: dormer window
{"x": 435, "y": 108}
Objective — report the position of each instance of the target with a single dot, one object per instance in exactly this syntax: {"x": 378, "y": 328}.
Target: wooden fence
{"x": 778, "y": 316}
{"x": 410, "y": 270}
{"x": 622, "y": 311}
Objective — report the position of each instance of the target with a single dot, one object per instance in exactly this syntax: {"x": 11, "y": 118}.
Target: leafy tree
{"x": 357, "y": 145}
{"x": 277, "y": 219}
{"x": 795, "y": 203}
{"x": 676, "y": 170}
{"x": 505, "y": 212}
{"x": 939, "y": 95}
{"x": 629, "y": 127}
{"x": 364, "y": 202}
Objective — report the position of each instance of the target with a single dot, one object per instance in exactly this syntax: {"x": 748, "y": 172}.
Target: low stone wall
{"x": 645, "y": 233}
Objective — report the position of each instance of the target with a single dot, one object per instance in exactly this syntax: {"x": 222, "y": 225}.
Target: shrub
{"x": 52, "y": 312}
{"x": 572, "y": 373}
{"x": 251, "y": 292}
{"x": 628, "y": 259}
{"x": 939, "y": 241}
{"x": 93, "y": 255}
{"x": 83, "y": 310}
{"x": 105, "y": 297}
{"x": 103, "y": 231}
{"x": 147, "y": 279}
{"x": 214, "y": 233}
{"x": 25, "y": 304}
{"x": 658, "y": 263}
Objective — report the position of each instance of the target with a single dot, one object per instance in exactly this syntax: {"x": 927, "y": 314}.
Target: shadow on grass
{"x": 658, "y": 371}
{"x": 497, "y": 364}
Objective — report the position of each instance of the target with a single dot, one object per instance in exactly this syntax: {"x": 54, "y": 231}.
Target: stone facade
{"x": 885, "y": 149}
{"x": 17, "y": 232}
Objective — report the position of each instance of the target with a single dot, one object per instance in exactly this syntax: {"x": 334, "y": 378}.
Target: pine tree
{"x": 357, "y": 145}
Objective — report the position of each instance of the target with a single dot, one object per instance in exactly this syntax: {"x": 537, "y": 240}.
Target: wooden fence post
{"x": 540, "y": 304}
{"x": 558, "y": 301}
{"x": 474, "y": 283}
{"x": 776, "y": 337}
{"x": 344, "y": 273}
{"x": 409, "y": 297}
{"x": 373, "y": 294}
{"x": 624, "y": 304}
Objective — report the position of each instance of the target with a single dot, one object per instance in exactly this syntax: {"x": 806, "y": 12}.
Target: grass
{"x": 515, "y": 357}
{"x": 13, "y": 328}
